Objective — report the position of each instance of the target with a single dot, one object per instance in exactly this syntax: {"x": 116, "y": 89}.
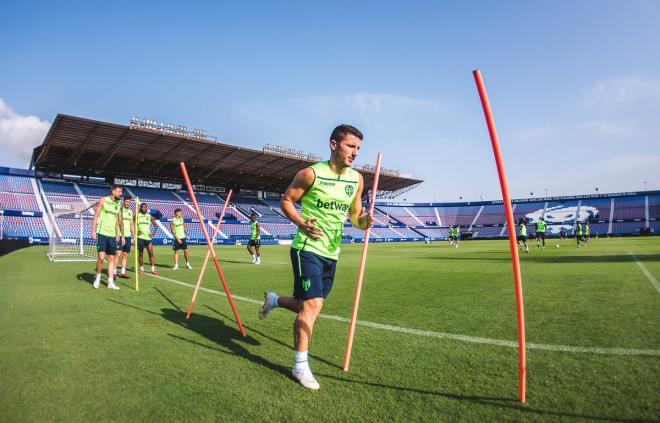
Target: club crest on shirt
{"x": 349, "y": 190}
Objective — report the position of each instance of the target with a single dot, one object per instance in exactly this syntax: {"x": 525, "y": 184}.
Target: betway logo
{"x": 332, "y": 205}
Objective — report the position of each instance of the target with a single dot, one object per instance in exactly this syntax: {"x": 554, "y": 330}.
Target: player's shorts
{"x": 254, "y": 243}
{"x": 540, "y": 235}
{"x": 522, "y": 238}
{"x": 176, "y": 246}
{"x": 106, "y": 244}
{"x": 313, "y": 275}
{"x": 143, "y": 243}
{"x": 127, "y": 245}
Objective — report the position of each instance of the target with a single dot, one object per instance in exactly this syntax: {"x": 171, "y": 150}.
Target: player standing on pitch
{"x": 178, "y": 229}
{"x": 144, "y": 223}
{"x": 327, "y": 191}
{"x": 105, "y": 230}
{"x": 128, "y": 226}
{"x": 255, "y": 240}
{"x": 540, "y": 233}
{"x": 522, "y": 235}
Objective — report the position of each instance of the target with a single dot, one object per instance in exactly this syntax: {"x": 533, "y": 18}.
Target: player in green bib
{"x": 457, "y": 235}
{"x": 178, "y": 229}
{"x": 522, "y": 234}
{"x": 578, "y": 234}
{"x": 587, "y": 235}
{"x": 450, "y": 236}
{"x": 144, "y": 223}
{"x": 255, "y": 240}
{"x": 328, "y": 192}
{"x": 540, "y": 233}
{"x": 128, "y": 229}
{"x": 107, "y": 233}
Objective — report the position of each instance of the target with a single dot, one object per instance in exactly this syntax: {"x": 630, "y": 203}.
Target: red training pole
{"x": 363, "y": 262}
{"x": 210, "y": 245}
{"x": 208, "y": 254}
{"x": 515, "y": 261}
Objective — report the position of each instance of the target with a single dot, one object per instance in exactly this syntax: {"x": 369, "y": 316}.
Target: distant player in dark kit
{"x": 327, "y": 191}
{"x": 540, "y": 233}
{"x": 255, "y": 239}
{"x": 144, "y": 223}
{"x": 522, "y": 235}
{"x": 106, "y": 232}
{"x": 128, "y": 227}
{"x": 178, "y": 229}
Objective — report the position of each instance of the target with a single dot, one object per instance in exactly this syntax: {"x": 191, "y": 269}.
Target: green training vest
{"x": 579, "y": 229}
{"x": 108, "y": 217}
{"x": 328, "y": 200}
{"x": 586, "y": 230}
{"x": 179, "y": 228}
{"x": 540, "y": 226}
{"x": 523, "y": 230}
{"x": 144, "y": 226}
{"x": 254, "y": 232}
{"x": 127, "y": 218}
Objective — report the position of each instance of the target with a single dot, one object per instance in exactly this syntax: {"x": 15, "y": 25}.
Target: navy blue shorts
{"x": 540, "y": 235}
{"x": 142, "y": 243}
{"x": 254, "y": 243}
{"x": 176, "y": 246}
{"x": 313, "y": 275}
{"x": 106, "y": 244}
{"x": 127, "y": 245}
{"x": 522, "y": 238}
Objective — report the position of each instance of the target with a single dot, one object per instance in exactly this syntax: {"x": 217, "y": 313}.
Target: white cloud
{"x": 611, "y": 128}
{"x": 647, "y": 165}
{"x": 372, "y": 105}
{"x": 19, "y": 135}
{"x": 618, "y": 92}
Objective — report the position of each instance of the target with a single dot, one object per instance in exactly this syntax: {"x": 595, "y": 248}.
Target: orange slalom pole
{"x": 208, "y": 254}
{"x": 210, "y": 245}
{"x": 363, "y": 262}
{"x": 515, "y": 260}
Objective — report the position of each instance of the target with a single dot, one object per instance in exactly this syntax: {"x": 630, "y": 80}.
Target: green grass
{"x": 71, "y": 353}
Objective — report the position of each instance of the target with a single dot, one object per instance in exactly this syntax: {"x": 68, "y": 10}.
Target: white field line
{"x": 463, "y": 338}
{"x": 646, "y": 272}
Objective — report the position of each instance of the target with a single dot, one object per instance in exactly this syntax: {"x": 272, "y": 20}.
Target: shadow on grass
{"x": 86, "y": 277}
{"x": 499, "y": 402}
{"x": 545, "y": 257}
{"x": 227, "y": 337}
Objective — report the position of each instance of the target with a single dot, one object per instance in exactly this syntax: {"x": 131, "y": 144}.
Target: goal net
{"x": 70, "y": 237}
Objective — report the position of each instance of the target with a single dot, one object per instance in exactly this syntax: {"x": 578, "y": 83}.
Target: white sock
{"x": 123, "y": 270}
{"x": 98, "y": 277}
{"x": 142, "y": 268}
{"x": 254, "y": 257}
{"x": 300, "y": 361}
{"x": 273, "y": 301}
{"x": 153, "y": 268}
{"x": 111, "y": 280}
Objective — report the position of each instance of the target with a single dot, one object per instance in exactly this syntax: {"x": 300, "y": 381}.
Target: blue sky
{"x": 575, "y": 86}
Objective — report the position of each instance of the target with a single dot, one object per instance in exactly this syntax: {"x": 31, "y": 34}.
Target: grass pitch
{"x": 72, "y": 353}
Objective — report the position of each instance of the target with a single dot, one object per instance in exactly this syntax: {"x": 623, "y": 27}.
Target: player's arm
{"x": 153, "y": 223}
{"x": 258, "y": 231}
{"x": 97, "y": 213}
{"x": 172, "y": 230}
{"x": 303, "y": 181}
{"x": 119, "y": 230}
{"x": 357, "y": 214}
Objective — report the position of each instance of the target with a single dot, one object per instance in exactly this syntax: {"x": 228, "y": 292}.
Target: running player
{"x": 578, "y": 233}
{"x": 128, "y": 226}
{"x": 144, "y": 223}
{"x": 522, "y": 235}
{"x": 450, "y": 236}
{"x": 327, "y": 191}
{"x": 178, "y": 229}
{"x": 106, "y": 232}
{"x": 457, "y": 235}
{"x": 255, "y": 239}
{"x": 540, "y": 233}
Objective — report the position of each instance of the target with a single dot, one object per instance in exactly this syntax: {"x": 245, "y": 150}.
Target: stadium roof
{"x": 80, "y": 146}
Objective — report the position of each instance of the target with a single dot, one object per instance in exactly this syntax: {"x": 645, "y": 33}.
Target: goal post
{"x": 70, "y": 237}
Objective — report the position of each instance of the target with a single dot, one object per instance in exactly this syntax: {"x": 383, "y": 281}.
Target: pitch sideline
{"x": 463, "y": 338}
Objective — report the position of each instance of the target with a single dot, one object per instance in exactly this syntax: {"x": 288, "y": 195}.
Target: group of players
{"x": 114, "y": 228}
{"x": 454, "y": 235}
{"x": 582, "y": 234}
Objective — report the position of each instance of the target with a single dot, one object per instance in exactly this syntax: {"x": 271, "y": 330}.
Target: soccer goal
{"x": 70, "y": 237}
